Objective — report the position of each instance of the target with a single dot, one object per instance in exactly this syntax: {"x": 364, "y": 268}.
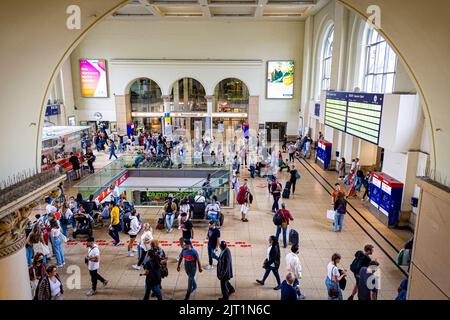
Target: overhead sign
{"x": 336, "y": 110}
{"x": 52, "y": 110}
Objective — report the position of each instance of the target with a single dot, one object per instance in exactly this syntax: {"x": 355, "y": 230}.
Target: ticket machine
{"x": 386, "y": 195}
{"x": 323, "y": 153}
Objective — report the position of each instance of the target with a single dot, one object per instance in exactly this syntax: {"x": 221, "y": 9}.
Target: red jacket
{"x": 286, "y": 215}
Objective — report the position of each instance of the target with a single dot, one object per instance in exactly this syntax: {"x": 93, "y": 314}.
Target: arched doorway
{"x": 146, "y": 104}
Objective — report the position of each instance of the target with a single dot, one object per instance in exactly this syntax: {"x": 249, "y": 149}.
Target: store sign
{"x": 188, "y": 114}
{"x": 52, "y": 110}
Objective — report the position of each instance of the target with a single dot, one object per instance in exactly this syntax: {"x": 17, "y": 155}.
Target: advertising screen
{"x": 280, "y": 80}
{"x": 364, "y": 116}
{"x": 336, "y": 110}
{"x": 93, "y": 78}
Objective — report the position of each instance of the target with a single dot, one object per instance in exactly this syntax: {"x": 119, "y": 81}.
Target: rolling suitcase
{"x": 287, "y": 190}
{"x": 293, "y": 237}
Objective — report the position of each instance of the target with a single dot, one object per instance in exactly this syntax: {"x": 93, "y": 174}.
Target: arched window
{"x": 381, "y": 64}
{"x": 327, "y": 57}
{"x": 231, "y": 95}
{"x": 188, "y": 95}
{"x": 145, "y": 96}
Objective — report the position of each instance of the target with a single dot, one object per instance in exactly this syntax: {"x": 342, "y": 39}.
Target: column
{"x": 208, "y": 120}
{"x": 166, "y": 105}
{"x": 253, "y": 114}
{"x": 123, "y": 112}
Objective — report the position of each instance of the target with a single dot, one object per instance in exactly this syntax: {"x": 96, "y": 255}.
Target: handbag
{"x": 333, "y": 292}
{"x": 41, "y": 248}
{"x": 331, "y": 214}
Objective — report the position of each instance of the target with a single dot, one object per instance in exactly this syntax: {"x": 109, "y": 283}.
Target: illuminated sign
{"x": 280, "y": 79}
{"x": 93, "y": 78}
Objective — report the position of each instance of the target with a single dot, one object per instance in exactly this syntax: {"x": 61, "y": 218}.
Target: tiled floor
{"x": 317, "y": 243}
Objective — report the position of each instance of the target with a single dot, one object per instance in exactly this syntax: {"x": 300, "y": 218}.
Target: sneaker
{"x": 277, "y": 288}
{"x": 209, "y": 267}
{"x": 136, "y": 267}
{"x": 60, "y": 266}
{"x": 302, "y": 297}
{"x": 91, "y": 292}
{"x": 130, "y": 254}
{"x": 260, "y": 282}
{"x": 105, "y": 283}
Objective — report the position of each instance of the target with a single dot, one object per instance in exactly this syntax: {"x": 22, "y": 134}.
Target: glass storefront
{"x": 188, "y": 95}
{"x": 146, "y": 96}
{"x": 231, "y": 95}
{"x": 149, "y": 124}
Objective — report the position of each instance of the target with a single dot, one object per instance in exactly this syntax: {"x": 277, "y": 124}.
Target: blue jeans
{"x": 212, "y": 255}
{"x": 156, "y": 289}
{"x": 64, "y": 229}
{"x": 252, "y": 171}
{"x": 284, "y": 234}
{"x": 358, "y": 183}
{"x": 52, "y": 243}
{"x": 58, "y": 250}
{"x": 330, "y": 285}
{"x": 29, "y": 251}
{"x": 169, "y": 220}
{"x": 338, "y": 220}
{"x": 275, "y": 205}
{"x": 112, "y": 153}
{"x": 114, "y": 233}
{"x": 191, "y": 270}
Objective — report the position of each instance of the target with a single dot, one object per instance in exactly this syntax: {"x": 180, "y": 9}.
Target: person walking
{"x": 369, "y": 282}
{"x": 73, "y": 159}
{"x": 362, "y": 259}
{"x": 213, "y": 237}
{"x": 191, "y": 263}
{"x": 225, "y": 271}
{"x": 275, "y": 189}
{"x": 295, "y": 175}
{"x": 187, "y": 227}
{"x": 272, "y": 262}
{"x": 243, "y": 198}
{"x": 341, "y": 169}
{"x": 144, "y": 245}
{"x": 340, "y": 207}
{"x": 286, "y": 217}
{"x": 288, "y": 292}
{"x": 90, "y": 157}
{"x": 50, "y": 287}
{"x": 366, "y": 182}
{"x": 56, "y": 236}
{"x": 294, "y": 267}
{"x": 291, "y": 151}
{"x": 93, "y": 263}
{"x": 333, "y": 278}
{"x": 135, "y": 227}
{"x": 152, "y": 276}
{"x": 112, "y": 149}
{"x": 114, "y": 226}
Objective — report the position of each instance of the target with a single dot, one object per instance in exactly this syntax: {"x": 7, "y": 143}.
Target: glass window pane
{"x": 377, "y": 86}
{"x": 373, "y": 37}
{"x": 381, "y": 55}
{"x": 392, "y": 60}
{"x": 389, "y": 83}
{"x": 369, "y": 83}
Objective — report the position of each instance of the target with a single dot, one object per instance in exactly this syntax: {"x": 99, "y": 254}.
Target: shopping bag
{"x": 330, "y": 214}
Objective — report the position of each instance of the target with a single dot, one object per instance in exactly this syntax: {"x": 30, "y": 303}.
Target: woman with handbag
{"x": 50, "y": 287}
{"x": 36, "y": 240}
{"x": 333, "y": 278}
{"x": 36, "y": 271}
{"x": 272, "y": 262}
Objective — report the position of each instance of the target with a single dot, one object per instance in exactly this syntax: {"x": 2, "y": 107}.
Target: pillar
{"x": 208, "y": 120}
{"x": 253, "y": 114}
{"x": 123, "y": 112}
{"x": 167, "y": 109}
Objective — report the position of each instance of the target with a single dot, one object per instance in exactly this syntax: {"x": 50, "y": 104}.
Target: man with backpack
{"x": 275, "y": 189}
{"x": 281, "y": 220}
{"x": 295, "y": 175}
{"x": 362, "y": 259}
{"x": 244, "y": 198}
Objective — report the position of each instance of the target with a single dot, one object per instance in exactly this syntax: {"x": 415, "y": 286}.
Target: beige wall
{"x": 431, "y": 255}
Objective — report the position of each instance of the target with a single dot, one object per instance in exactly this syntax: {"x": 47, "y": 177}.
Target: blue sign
{"x": 317, "y": 109}
{"x": 52, "y": 110}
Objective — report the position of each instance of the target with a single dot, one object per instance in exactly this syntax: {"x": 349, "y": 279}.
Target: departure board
{"x": 336, "y": 110}
{"x": 364, "y": 116}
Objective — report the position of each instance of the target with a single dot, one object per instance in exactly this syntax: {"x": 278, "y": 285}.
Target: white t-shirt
{"x": 332, "y": 270}
{"x": 212, "y": 207}
{"x": 55, "y": 287}
{"x": 56, "y": 232}
{"x": 293, "y": 264}
{"x": 93, "y": 252}
{"x": 116, "y": 192}
{"x": 68, "y": 214}
{"x": 147, "y": 235}
{"x": 185, "y": 208}
{"x": 50, "y": 208}
{"x": 135, "y": 226}
{"x": 199, "y": 199}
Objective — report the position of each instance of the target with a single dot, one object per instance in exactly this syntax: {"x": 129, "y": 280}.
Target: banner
{"x": 93, "y": 78}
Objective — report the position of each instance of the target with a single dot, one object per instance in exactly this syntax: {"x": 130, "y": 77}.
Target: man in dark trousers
{"x": 73, "y": 159}
{"x": 225, "y": 271}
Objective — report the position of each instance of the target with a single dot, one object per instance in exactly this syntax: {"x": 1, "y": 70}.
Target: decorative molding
{"x": 189, "y": 62}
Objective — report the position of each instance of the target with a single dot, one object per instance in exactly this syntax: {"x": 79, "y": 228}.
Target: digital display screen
{"x": 280, "y": 80}
{"x": 358, "y": 114}
{"x": 364, "y": 116}
{"x": 93, "y": 78}
{"x": 336, "y": 110}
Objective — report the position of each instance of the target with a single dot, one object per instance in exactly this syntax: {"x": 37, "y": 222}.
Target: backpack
{"x": 241, "y": 195}
{"x": 278, "y": 219}
{"x": 357, "y": 262}
{"x": 250, "y": 198}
